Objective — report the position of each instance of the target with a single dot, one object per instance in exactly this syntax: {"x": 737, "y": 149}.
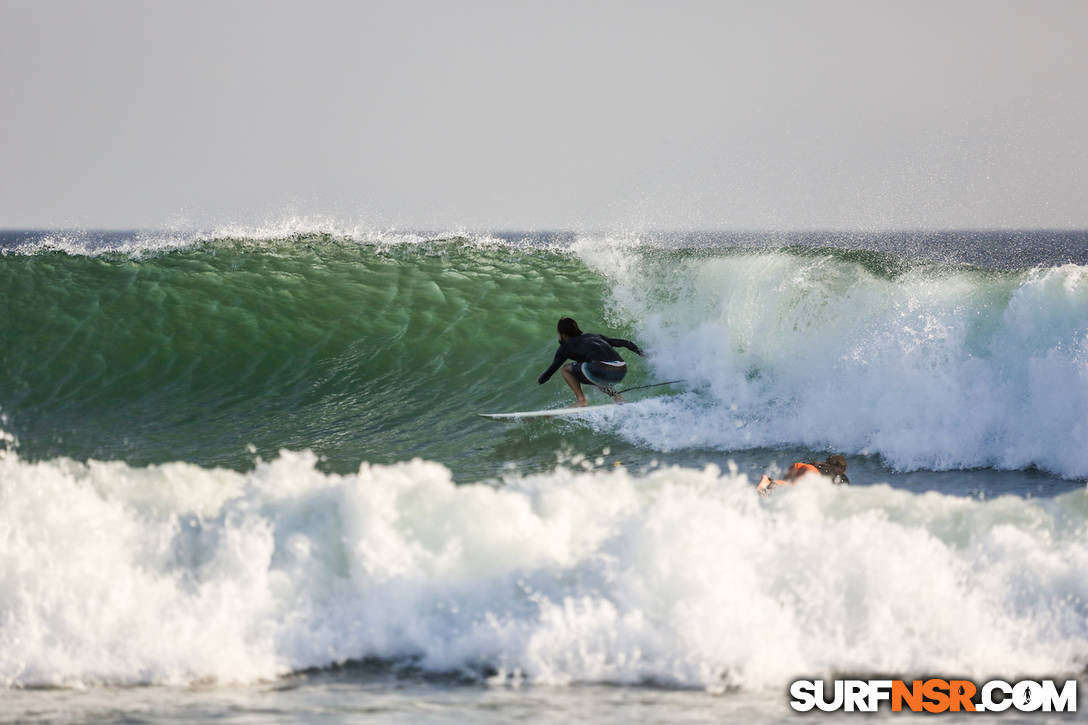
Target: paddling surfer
{"x": 596, "y": 361}
{"x": 834, "y": 468}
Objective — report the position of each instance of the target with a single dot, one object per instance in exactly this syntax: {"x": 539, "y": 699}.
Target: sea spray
{"x": 929, "y": 367}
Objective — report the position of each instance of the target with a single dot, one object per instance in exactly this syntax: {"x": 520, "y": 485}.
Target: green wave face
{"x": 358, "y": 352}
{"x": 363, "y": 350}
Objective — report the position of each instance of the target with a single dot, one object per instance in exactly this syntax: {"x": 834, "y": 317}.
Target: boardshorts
{"x": 604, "y": 375}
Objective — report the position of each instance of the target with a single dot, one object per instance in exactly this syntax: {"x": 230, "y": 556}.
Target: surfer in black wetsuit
{"x": 596, "y": 362}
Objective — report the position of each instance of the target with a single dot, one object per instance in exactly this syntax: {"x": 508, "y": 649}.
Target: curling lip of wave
{"x": 284, "y": 232}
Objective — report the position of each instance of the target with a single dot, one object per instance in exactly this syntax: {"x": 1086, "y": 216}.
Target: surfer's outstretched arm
{"x": 620, "y": 342}
{"x": 560, "y": 357}
{"x": 766, "y": 483}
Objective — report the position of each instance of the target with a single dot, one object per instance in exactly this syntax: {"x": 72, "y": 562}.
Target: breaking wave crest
{"x": 930, "y": 367}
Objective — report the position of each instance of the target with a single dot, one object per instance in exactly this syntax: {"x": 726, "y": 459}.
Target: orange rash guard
{"x": 799, "y": 469}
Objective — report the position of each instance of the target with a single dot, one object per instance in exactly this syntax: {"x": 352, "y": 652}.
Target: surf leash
{"x": 651, "y": 385}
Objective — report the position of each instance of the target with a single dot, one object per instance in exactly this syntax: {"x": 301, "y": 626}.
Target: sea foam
{"x": 679, "y": 576}
{"x": 935, "y": 368}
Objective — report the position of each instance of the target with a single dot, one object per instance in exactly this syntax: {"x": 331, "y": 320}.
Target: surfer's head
{"x": 837, "y": 463}
{"x": 567, "y": 328}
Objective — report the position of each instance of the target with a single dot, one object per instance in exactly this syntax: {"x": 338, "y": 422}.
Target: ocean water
{"x": 242, "y": 477}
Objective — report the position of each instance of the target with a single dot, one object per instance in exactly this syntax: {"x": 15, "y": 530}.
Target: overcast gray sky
{"x": 546, "y": 115}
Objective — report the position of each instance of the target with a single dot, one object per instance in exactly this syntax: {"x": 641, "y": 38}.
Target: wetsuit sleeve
{"x": 620, "y": 342}
{"x": 560, "y": 356}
